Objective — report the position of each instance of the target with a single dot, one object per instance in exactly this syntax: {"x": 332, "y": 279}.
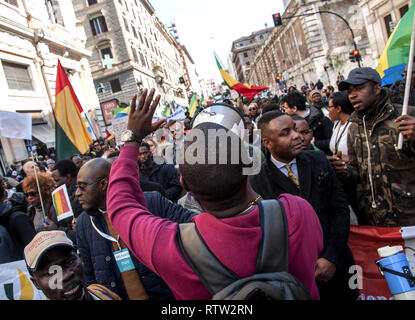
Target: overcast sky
{"x": 207, "y": 26}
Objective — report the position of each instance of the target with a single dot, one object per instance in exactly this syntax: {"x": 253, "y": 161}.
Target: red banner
{"x": 364, "y": 242}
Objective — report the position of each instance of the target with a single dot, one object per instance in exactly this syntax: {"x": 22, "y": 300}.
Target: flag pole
{"x": 408, "y": 82}
{"x": 90, "y": 124}
{"x": 37, "y": 181}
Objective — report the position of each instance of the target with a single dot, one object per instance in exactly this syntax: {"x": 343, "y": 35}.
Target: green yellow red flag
{"x": 244, "y": 89}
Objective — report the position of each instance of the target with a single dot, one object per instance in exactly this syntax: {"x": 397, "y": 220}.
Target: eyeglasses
{"x": 31, "y": 194}
{"x": 253, "y": 109}
{"x": 83, "y": 186}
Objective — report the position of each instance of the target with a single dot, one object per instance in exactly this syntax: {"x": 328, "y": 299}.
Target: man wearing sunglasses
{"x": 98, "y": 243}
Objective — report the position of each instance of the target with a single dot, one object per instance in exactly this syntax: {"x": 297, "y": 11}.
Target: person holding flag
{"x": 398, "y": 51}
{"x": 385, "y": 172}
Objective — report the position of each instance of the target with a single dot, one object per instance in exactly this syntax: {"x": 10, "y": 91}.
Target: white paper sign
{"x": 16, "y": 125}
{"x": 119, "y": 125}
{"x": 15, "y": 283}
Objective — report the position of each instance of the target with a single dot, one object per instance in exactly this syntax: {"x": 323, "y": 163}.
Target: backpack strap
{"x": 273, "y": 251}
{"x": 213, "y": 274}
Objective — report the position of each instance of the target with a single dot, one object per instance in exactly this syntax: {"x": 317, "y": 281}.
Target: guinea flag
{"x": 62, "y": 203}
{"x": 72, "y": 136}
{"x": 243, "y": 89}
{"x": 395, "y": 56}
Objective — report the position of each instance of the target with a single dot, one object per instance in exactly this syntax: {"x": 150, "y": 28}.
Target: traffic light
{"x": 351, "y": 56}
{"x": 325, "y": 67}
{"x": 356, "y": 55}
{"x": 277, "y": 19}
{"x": 278, "y": 79}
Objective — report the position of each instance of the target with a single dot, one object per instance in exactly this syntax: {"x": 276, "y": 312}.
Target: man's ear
{"x": 378, "y": 88}
{"x": 104, "y": 184}
{"x": 35, "y": 283}
{"x": 266, "y": 142}
{"x": 68, "y": 177}
{"x": 295, "y": 109}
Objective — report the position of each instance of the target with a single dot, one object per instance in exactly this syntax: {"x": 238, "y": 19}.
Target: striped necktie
{"x": 292, "y": 175}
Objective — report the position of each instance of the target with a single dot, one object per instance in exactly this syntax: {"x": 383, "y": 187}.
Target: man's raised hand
{"x": 141, "y": 114}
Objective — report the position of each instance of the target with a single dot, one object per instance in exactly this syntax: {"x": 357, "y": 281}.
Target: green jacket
{"x": 389, "y": 192}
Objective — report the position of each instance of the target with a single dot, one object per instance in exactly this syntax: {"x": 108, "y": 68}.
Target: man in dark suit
{"x": 289, "y": 169}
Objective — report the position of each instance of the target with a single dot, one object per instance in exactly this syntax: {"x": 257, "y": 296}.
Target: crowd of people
{"x": 329, "y": 156}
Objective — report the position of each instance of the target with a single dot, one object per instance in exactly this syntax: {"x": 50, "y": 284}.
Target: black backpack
{"x": 271, "y": 280}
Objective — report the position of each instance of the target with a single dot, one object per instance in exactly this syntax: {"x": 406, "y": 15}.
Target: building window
{"x": 246, "y": 54}
{"x": 126, "y": 6}
{"x": 261, "y": 37}
{"x": 388, "y": 19}
{"x": 98, "y": 25}
{"x": 115, "y": 85}
{"x": 148, "y": 65}
{"x": 54, "y": 11}
{"x": 143, "y": 62}
{"x": 403, "y": 10}
{"x": 12, "y": 2}
{"x": 147, "y": 42}
{"x": 91, "y": 2}
{"x": 134, "y": 54}
{"x": 17, "y": 76}
{"x": 134, "y": 32}
{"x": 106, "y": 52}
{"x": 247, "y": 63}
{"x": 126, "y": 25}
{"x": 141, "y": 37}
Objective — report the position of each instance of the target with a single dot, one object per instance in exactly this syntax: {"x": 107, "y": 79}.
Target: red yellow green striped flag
{"x": 244, "y": 89}
{"x": 72, "y": 137}
{"x": 62, "y": 203}
{"x": 193, "y": 105}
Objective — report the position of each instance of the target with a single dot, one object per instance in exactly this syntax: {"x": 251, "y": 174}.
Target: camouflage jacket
{"x": 389, "y": 194}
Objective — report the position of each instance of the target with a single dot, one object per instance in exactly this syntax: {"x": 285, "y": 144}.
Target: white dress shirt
{"x": 281, "y": 166}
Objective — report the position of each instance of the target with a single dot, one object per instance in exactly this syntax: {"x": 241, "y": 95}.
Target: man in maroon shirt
{"x": 230, "y": 227}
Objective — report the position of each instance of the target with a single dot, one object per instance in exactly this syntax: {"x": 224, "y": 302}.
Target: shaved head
{"x": 220, "y": 180}
{"x": 98, "y": 167}
{"x": 29, "y": 167}
{"x": 92, "y": 181}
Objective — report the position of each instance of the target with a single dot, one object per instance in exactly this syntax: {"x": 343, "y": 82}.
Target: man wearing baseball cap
{"x": 56, "y": 269}
{"x": 386, "y": 173}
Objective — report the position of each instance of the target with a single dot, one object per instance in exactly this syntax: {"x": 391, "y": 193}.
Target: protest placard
{"x": 15, "y": 283}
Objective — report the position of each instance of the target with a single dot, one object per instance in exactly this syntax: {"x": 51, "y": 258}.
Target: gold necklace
{"x": 251, "y": 205}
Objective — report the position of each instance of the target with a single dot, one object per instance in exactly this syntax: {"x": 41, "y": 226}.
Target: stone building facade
{"x": 33, "y": 36}
{"x": 380, "y": 17}
{"x": 243, "y": 53}
{"x": 131, "y": 50}
{"x": 298, "y": 50}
